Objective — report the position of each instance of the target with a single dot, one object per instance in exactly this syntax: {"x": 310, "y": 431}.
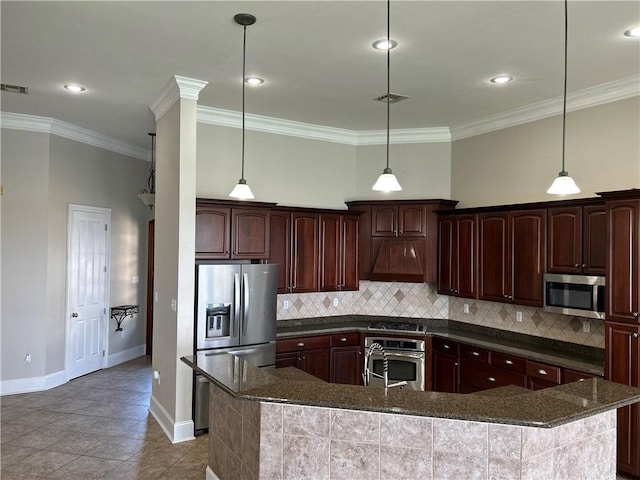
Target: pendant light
{"x": 387, "y": 181}
{"x": 564, "y": 184}
{"x": 148, "y": 197}
{"x": 242, "y": 191}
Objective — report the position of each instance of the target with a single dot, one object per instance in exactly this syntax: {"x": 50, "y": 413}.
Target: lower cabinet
{"x": 542, "y": 375}
{"x": 334, "y": 358}
{"x": 446, "y": 365}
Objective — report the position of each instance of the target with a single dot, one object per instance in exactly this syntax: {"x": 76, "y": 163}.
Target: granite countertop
{"x": 564, "y": 354}
{"x": 513, "y": 406}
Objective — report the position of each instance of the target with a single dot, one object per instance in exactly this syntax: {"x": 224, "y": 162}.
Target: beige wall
{"x": 42, "y": 174}
{"x": 518, "y": 164}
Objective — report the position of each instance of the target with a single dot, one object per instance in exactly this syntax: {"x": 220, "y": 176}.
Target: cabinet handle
{"x": 400, "y": 231}
{"x": 635, "y": 335}
{"x": 576, "y": 265}
{"x": 343, "y": 339}
{"x": 636, "y": 314}
{"x": 456, "y": 364}
{"x": 446, "y": 347}
{"x": 508, "y": 362}
{"x": 542, "y": 372}
{"x": 584, "y": 265}
{"x": 491, "y": 379}
{"x": 508, "y": 296}
{"x": 301, "y": 344}
{"x": 475, "y": 354}
{"x": 455, "y": 290}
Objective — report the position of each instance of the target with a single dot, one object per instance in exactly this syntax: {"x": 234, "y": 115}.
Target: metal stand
{"x": 121, "y": 312}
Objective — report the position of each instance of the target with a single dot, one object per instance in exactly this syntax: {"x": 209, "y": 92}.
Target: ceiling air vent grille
{"x": 14, "y": 88}
{"x": 393, "y": 98}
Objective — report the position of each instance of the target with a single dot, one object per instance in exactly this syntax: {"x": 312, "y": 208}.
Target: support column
{"x": 174, "y": 272}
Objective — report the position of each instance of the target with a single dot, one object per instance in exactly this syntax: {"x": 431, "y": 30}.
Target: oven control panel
{"x": 390, "y": 343}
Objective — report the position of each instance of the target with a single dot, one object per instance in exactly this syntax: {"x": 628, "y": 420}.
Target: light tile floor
{"x": 94, "y": 427}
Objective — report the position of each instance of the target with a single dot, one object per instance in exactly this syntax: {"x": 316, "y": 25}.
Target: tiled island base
{"x": 251, "y": 440}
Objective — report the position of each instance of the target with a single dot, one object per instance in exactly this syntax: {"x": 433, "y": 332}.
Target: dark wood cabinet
{"x": 446, "y": 366}
{"x": 304, "y": 252}
{"x": 623, "y": 263}
{"x": 280, "y": 242}
{"x": 346, "y": 359}
{"x": 338, "y": 248}
{"x": 542, "y": 375}
{"x": 512, "y": 256}
{"x": 622, "y": 365}
{"x": 398, "y": 240}
{"x": 458, "y": 255}
{"x": 577, "y": 239}
{"x": 231, "y": 233}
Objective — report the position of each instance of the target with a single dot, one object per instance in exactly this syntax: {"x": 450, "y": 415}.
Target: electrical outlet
{"x": 27, "y": 358}
{"x": 335, "y": 302}
{"x": 518, "y": 316}
{"x": 465, "y": 308}
{"x": 174, "y": 304}
{"x": 285, "y": 305}
{"x": 586, "y": 326}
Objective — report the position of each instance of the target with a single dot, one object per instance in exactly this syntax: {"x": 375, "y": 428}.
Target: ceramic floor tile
{"x": 40, "y": 438}
{"x": 85, "y": 468}
{"x": 40, "y": 463}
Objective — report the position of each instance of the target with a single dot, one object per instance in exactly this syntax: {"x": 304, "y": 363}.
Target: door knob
{"x": 74, "y": 315}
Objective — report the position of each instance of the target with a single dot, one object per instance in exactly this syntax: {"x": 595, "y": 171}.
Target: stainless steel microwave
{"x": 579, "y": 295}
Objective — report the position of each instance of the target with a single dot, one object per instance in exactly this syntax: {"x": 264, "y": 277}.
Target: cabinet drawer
{"x": 570, "y": 376}
{"x": 544, "y": 371}
{"x": 474, "y": 353}
{"x": 508, "y": 362}
{"x": 445, "y": 346}
{"x": 302, "y": 343}
{"x": 483, "y": 376}
{"x": 345, "y": 339}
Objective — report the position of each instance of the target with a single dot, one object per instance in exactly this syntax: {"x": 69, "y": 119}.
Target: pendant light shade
{"x": 387, "y": 181}
{"x": 242, "y": 191}
{"x": 148, "y": 197}
{"x": 564, "y": 184}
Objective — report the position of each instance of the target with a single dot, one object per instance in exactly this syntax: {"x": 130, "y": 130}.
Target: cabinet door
{"x": 623, "y": 284}
{"x": 350, "y": 253}
{"x": 564, "y": 247}
{"x": 345, "y": 365}
{"x": 594, "y": 239}
{"x": 447, "y": 257}
{"x": 384, "y": 221}
{"x": 445, "y": 372}
{"x": 304, "y": 258}
{"x": 316, "y": 363}
{"x": 494, "y": 256}
{"x": 412, "y": 221}
{"x": 213, "y": 233}
{"x": 287, "y": 360}
{"x": 466, "y": 247}
{"x": 528, "y": 237}
{"x": 250, "y": 232}
{"x": 622, "y": 347}
{"x": 280, "y": 247}
{"x": 330, "y": 250}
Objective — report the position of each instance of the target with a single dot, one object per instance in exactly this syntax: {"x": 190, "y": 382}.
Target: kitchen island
{"x": 286, "y": 424}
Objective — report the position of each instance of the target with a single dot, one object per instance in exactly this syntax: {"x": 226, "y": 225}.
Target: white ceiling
{"x": 316, "y": 57}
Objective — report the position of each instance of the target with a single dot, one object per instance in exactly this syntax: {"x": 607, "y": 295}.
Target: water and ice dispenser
{"x": 218, "y": 319}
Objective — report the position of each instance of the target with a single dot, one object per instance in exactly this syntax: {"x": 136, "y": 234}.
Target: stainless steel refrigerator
{"x": 235, "y": 313}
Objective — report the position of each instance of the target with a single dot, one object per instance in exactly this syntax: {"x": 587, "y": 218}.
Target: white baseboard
{"x": 126, "y": 355}
{"x": 177, "y": 432}
{"x": 32, "y": 384}
{"x": 210, "y": 475}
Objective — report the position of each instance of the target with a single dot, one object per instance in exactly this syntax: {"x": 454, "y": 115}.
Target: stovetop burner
{"x": 398, "y": 326}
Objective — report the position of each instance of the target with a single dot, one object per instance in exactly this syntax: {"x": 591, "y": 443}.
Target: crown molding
{"x": 32, "y": 123}
{"x": 177, "y": 87}
{"x": 589, "y": 97}
{"x": 278, "y": 126}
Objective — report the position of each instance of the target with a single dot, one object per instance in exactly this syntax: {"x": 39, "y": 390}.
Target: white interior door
{"x": 87, "y": 288}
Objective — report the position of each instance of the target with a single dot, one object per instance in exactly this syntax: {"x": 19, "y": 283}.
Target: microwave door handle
{"x": 595, "y": 301}
{"x": 245, "y": 303}
{"x": 236, "y": 304}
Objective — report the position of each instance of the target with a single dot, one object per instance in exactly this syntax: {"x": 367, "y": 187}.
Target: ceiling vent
{"x": 14, "y": 89}
{"x": 393, "y": 98}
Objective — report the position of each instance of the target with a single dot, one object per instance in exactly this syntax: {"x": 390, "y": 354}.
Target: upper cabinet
{"x": 577, "y": 239}
{"x": 623, "y": 256}
{"x": 338, "y": 252}
{"x": 230, "y": 232}
{"x": 398, "y": 239}
{"x": 458, "y": 255}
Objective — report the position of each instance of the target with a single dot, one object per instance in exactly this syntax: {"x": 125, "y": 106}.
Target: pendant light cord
{"x": 388, "y": 72}
{"x": 244, "y": 55}
{"x": 564, "y": 101}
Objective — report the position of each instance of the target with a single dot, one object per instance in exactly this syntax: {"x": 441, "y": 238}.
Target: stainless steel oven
{"x": 406, "y": 359}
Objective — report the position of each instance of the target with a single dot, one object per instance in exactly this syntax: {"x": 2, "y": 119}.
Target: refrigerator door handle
{"x": 247, "y": 302}
{"x": 237, "y": 291}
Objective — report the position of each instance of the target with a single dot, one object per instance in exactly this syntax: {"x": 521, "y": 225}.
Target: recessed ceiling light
{"x": 383, "y": 44}
{"x": 501, "y": 79}
{"x": 633, "y": 32}
{"x": 72, "y": 87}
{"x": 254, "y": 80}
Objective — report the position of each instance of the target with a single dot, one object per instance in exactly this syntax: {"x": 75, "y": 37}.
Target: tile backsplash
{"x": 420, "y": 300}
